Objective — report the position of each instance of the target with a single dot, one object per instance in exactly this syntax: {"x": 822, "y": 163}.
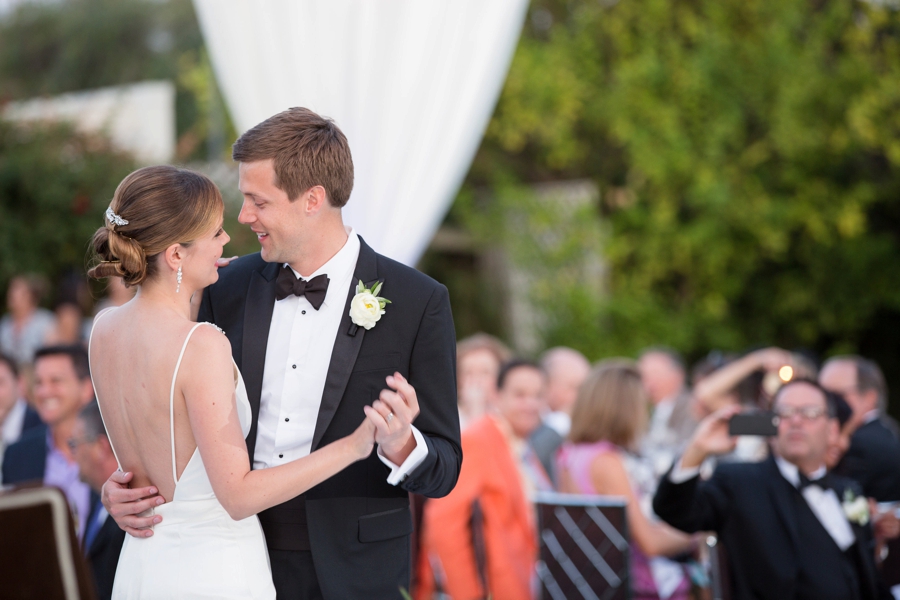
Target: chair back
{"x": 584, "y": 549}
{"x": 39, "y": 550}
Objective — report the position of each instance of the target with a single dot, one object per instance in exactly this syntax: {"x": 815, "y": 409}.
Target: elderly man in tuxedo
{"x": 791, "y": 530}
{"x": 873, "y": 458}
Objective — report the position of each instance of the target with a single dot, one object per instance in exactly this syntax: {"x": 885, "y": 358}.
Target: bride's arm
{"x": 206, "y": 379}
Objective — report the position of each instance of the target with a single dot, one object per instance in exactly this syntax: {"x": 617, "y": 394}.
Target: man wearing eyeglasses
{"x": 791, "y": 530}
{"x": 103, "y": 539}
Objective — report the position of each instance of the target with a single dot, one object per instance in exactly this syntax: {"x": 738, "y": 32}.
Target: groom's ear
{"x": 315, "y": 198}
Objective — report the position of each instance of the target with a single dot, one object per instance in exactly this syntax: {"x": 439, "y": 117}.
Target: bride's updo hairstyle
{"x": 162, "y": 205}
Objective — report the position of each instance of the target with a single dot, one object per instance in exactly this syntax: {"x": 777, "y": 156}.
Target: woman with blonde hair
{"x": 599, "y": 457}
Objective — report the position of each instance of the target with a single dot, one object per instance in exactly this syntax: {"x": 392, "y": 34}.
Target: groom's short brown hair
{"x": 307, "y": 150}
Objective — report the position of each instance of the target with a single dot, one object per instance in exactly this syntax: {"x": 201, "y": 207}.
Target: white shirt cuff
{"x": 415, "y": 458}
{"x": 679, "y": 474}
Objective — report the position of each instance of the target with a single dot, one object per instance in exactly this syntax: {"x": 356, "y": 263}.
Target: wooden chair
{"x": 584, "y": 550}
{"x": 39, "y": 552}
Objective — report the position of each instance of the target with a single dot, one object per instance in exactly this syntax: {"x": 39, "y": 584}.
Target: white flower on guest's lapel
{"x": 856, "y": 508}
{"x": 367, "y": 307}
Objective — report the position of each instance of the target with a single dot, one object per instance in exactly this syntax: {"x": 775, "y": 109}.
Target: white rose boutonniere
{"x": 856, "y": 508}
{"x": 367, "y": 307}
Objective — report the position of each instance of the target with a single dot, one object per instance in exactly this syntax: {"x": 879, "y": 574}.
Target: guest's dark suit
{"x": 777, "y": 548}
{"x": 545, "y": 442}
{"x": 27, "y": 458}
{"x": 873, "y": 460}
{"x": 103, "y": 553}
{"x": 356, "y": 525}
{"x": 31, "y": 420}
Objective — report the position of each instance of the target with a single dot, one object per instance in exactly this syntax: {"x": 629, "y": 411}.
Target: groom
{"x": 310, "y": 367}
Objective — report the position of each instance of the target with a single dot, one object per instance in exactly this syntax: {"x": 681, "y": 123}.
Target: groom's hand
{"x": 124, "y": 504}
{"x": 393, "y": 414}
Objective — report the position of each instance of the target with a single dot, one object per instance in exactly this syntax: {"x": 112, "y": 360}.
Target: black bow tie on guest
{"x": 287, "y": 284}
{"x": 823, "y": 482}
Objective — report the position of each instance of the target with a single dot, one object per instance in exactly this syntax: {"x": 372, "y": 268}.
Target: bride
{"x": 174, "y": 403}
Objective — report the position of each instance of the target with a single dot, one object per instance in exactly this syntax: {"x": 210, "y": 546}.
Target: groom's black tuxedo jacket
{"x": 358, "y": 524}
{"x": 776, "y": 547}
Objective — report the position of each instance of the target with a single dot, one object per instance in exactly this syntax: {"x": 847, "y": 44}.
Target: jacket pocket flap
{"x": 376, "y": 362}
{"x": 385, "y": 525}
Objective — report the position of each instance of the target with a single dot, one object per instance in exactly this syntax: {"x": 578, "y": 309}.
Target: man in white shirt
{"x": 671, "y": 422}
{"x": 790, "y": 530}
{"x": 566, "y": 370}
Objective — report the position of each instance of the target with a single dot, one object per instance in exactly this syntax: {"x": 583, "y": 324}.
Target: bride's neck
{"x": 160, "y": 295}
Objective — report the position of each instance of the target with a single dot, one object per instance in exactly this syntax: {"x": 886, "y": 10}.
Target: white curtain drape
{"x": 412, "y": 83}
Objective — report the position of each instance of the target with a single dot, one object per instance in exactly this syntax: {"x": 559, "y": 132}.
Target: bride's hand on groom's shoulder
{"x": 125, "y": 504}
{"x": 392, "y": 414}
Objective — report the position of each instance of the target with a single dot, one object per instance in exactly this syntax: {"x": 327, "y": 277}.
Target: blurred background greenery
{"x": 700, "y": 174}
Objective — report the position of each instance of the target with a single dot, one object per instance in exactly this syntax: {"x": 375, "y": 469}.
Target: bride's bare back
{"x": 163, "y": 233}
{"x": 134, "y": 351}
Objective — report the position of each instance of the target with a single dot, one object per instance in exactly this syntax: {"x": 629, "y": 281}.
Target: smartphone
{"x": 763, "y": 423}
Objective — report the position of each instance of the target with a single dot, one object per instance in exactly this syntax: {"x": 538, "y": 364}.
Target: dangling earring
{"x": 178, "y": 279}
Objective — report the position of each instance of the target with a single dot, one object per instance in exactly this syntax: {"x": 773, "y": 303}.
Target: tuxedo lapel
{"x": 257, "y": 320}
{"x": 346, "y": 346}
{"x": 781, "y": 490}
{"x": 864, "y": 549}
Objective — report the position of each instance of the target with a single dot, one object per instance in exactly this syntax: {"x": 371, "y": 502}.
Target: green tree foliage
{"x": 747, "y": 158}
{"x": 56, "y": 47}
{"x": 54, "y": 187}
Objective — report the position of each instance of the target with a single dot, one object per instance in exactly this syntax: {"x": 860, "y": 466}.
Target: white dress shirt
{"x": 12, "y": 425}
{"x": 823, "y": 503}
{"x": 11, "y": 430}
{"x": 298, "y": 354}
{"x": 559, "y": 421}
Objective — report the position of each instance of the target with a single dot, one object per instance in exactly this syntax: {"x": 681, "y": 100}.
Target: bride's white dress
{"x": 198, "y": 551}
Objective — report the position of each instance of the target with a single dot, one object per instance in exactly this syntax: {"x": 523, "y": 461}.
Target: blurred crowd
{"x": 50, "y": 426}
{"x": 640, "y": 430}
{"x": 619, "y": 428}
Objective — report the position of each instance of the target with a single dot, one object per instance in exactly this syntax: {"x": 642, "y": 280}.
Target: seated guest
{"x": 566, "y": 370}
{"x": 790, "y": 530}
{"x": 598, "y": 458}
{"x": 672, "y": 421}
{"x": 96, "y": 462}
{"x": 16, "y": 417}
{"x": 478, "y": 361}
{"x": 62, "y": 386}
{"x": 498, "y": 476}
{"x": 873, "y": 458}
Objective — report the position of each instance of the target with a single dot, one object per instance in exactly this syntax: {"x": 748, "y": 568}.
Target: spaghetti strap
{"x": 90, "y": 340}
{"x": 172, "y": 398}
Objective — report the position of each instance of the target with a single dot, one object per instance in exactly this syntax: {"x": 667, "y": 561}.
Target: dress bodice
{"x": 194, "y": 482}
{"x": 198, "y": 550}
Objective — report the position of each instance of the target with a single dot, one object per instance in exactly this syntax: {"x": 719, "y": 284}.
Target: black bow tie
{"x": 287, "y": 284}
{"x": 823, "y": 481}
